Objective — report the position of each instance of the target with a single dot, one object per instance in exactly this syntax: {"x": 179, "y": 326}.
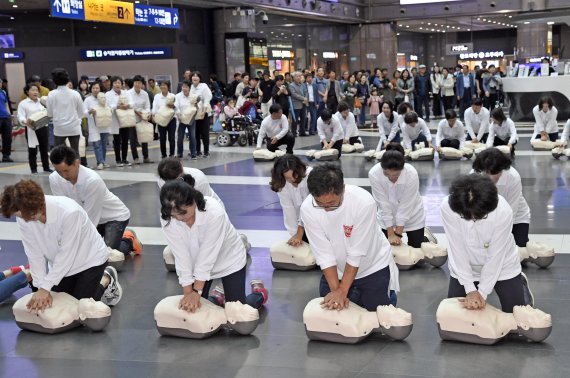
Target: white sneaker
{"x": 105, "y": 165}
{"x": 528, "y": 297}
{"x": 100, "y": 166}
{"x": 120, "y": 164}
{"x": 114, "y": 291}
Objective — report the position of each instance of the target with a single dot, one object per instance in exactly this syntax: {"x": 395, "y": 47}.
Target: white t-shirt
{"x": 484, "y": 250}
{"x": 348, "y": 125}
{"x": 545, "y": 121}
{"x": 399, "y": 203}
{"x": 347, "y": 235}
{"x": 67, "y": 244}
{"x": 210, "y": 249}
{"x": 477, "y": 124}
{"x": 291, "y": 199}
{"x": 409, "y": 133}
{"x": 330, "y": 132}
{"x": 65, "y": 107}
{"x": 444, "y": 131}
{"x": 506, "y": 132}
{"x": 91, "y": 193}
{"x": 272, "y": 128}
{"x": 201, "y": 183}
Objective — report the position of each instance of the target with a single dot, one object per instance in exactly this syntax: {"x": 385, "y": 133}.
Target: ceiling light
{"x": 516, "y": 26}
{"x": 397, "y": 33}
{"x": 443, "y": 31}
{"x": 400, "y": 25}
{"x": 432, "y": 29}
{"x": 448, "y": 26}
{"x": 527, "y": 22}
{"x": 468, "y": 29}
{"x": 301, "y": 35}
{"x": 434, "y": 24}
{"x": 15, "y": 6}
{"x": 485, "y": 19}
{"x": 478, "y": 18}
{"x": 137, "y": 2}
{"x": 421, "y": 28}
{"x": 550, "y": 23}
{"x": 407, "y": 26}
{"x": 458, "y": 28}
{"x": 429, "y": 23}
{"x": 11, "y": 18}
{"x": 438, "y": 30}
{"x": 510, "y": 16}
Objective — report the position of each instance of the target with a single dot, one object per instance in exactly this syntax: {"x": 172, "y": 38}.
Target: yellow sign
{"x": 117, "y": 12}
{"x": 259, "y": 61}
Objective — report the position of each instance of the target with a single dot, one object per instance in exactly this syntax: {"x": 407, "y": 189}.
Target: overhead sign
{"x": 118, "y": 12}
{"x": 282, "y": 54}
{"x": 150, "y": 15}
{"x": 483, "y": 55}
{"x": 330, "y": 55}
{"x": 458, "y": 48}
{"x": 73, "y": 9}
{"x": 13, "y": 55}
{"x": 413, "y": 58}
{"x": 126, "y": 54}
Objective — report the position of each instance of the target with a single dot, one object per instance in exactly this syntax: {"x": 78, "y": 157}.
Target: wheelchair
{"x": 238, "y": 129}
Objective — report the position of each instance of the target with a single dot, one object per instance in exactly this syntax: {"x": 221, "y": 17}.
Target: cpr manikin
{"x": 421, "y": 153}
{"x": 206, "y": 321}
{"x": 350, "y": 148}
{"x": 126, "y": 117}
{"x": 407, "y": 257}
{"x": 354, "y": 324}
{"x": 450, "y": 153}
{"x": 65, "y": 313}
{"x": 475, "y": 147}
{"x": 166, "y": 112}
{"x": 266, "y": 155}
{"x": 558, "y": 152}
{"x": 287, "y": 257}
{"x": 103, "y": 113}
{"x": 489, "y": 325}
{"x": 537, "y": 253}
{"x": 543, "y": 145}
{"x": 323, "y": 155}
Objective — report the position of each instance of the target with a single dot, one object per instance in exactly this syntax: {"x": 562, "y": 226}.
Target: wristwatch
{"x": 197, "y": 291}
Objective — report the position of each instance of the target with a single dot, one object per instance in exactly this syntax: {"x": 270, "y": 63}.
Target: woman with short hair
{"x": 202, "y": 90}
{"x": 388, "y": 126}
{"x": 206, "y": 246}
{"x": 545, "y": 123}
{"x": 169, "y": 130}
{"x": 396, "y": 189}
{"x": 289, "y": 180}
{"x": 502, "y": 131}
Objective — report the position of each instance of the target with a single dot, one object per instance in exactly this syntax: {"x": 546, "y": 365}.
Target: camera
{"x": 265, "y": 19}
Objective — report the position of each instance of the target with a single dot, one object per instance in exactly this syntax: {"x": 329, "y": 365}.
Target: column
{"x": 373, "y": 46}
{"x": 532, "y": 40}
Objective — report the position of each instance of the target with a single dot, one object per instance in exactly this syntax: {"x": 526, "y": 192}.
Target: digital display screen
{"x": 7, "y": 41}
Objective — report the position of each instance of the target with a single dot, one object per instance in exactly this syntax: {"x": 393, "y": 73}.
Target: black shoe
{"x": 49, "y": 170}
{"x": 528, "y": 297}
{"x": 7, "y": 160}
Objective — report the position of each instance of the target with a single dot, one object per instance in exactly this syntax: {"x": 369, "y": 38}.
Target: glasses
{"x": 328, "y": 207}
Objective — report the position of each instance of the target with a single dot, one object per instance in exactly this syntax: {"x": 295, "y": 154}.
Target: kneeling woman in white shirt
{"x": 545, "y": 123}
{"x": 450, "y": 132}
{"x": 388, "y": 125}
{"x": 502, "y": 131}
{"x": 415, "y": 131}
{"x": 497, "y": 166}
{"x": 206, "y": 246}
{"x": 482, "y": 252}
{"x": 348, "y": 123}
{"x": 330, "y": 132}
{"x": 395, "y": 187}
{"x": 56, "y": 232}
{"x": 289, "y": 181}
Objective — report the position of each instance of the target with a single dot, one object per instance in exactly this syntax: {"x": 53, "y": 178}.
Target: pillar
{"x": 532, "y": 40}
{"x": 373, "y": 46}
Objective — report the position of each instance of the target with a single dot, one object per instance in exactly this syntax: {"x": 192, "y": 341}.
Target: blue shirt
{"x": 4, "y": 113}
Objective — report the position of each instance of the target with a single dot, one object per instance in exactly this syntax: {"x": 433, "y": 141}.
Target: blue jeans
{"x": 312, "y": 110}
{"x": 362, "y": 116}
{"x": 420, "y": 138}
{"x": 181, "y": 134}
{"x": 112, "y": 233}
{"x": 368, "y": 292}
{"x": 234, "y": 290}
{"x": 11, "y": 284}
{"x": 100, "y": 148}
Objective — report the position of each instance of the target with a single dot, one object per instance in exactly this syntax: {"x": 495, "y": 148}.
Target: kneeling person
{"x": 347, "y": 242}
{"x": 105, "y": 210}
{"x": 450, "y": 132}
{"x": 330, "y": 131}
{"x": 275, "y": 130}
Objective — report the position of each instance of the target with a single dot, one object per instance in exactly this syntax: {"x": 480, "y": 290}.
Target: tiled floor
{"x": 131, "y": 347}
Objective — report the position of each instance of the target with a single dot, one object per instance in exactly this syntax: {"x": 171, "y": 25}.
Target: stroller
{"x": 238, "y": 129}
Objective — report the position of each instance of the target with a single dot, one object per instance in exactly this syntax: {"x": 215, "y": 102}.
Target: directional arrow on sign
{"x": 127, "y": 13}
{"x": 175, "y": 19}
{"x": 57, "y": 5}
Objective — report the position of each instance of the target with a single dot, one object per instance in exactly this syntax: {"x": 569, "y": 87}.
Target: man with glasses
{"x": 349, "y": 246}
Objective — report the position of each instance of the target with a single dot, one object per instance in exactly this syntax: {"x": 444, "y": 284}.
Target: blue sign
{"x": 149, "y": 15}
{"x": 13, "y": 55}
{"x": 126, "y": 53}
{"x": 68, "y": 9}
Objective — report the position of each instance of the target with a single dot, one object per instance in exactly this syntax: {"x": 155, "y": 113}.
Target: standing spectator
{"x": 280, "y": 94}
{"x": 97, "y": 135}
{"x": 185, "y": 76}
{"x": 350, "y": 91}
{"x": 405, "y": 88}
{"x": 333, "y": 93}
{"x": 491, "y": 86}
{"x": 35, "y": 79}
{"x": 447, "y": 85}
{"x": 313, "y": 95}
{"x": 153, "y": 87}
{"x": 465, "y": 89}
{"x": 5, "y": 126}
{"x": 83, "y": 88}
{"x": 169, "y": 130}
{"x": 241, "y": 85}
{"x": 300, "y": 100}
{"x": 321, "y": 89}
{"x": 363, "y": 93}
{"x": 140, "y": 102}
{"x": 202, "y": 124}
{"x": 215, "y": 88}
{"x": 120, "y": 135}
{"x": 231, "y": 89}
{"x": 423, "y": 92}
{"x": 344, "y": 79}
{"x": 374, "y": 103}
{"x": 65, "y": 108}
{"x": 182, "y": 102}
{"x": 39, "y": 137}
{"x": 106, "y": 83}
{"x": 387, "y": 89}
{"x": 436, "y": 78}
{"x": 265, "y": 89}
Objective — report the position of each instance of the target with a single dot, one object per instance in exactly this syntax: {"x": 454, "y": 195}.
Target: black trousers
{"x": 369, "y": 292}
{"x": 415, "y": 237}
{"x": 6, "y": 129}
{"x": 483, "y": 138}
{"x": 203, "y": 134}
{"x": 167, "y": 132}
{"x": 337, "y": 146}
{"x": 288, "y": 140}
{"x": 551, "y": 136}
{"x": 134, "y": 144}
{"x": 436, "y": 105}
{"x": 332, "y": 104}
{"x": 491, "y": 101}
{"x": 86, "y": 284}
{"x": 121, "y": 143}
{"x": 42, "y": 135}
{"x": 234, "y": 290}
{"x": 353, "y": 140}
{"x": 73, "y": 142}
{"x": 510, "y": 292}
{"x": 453, "y": 143}
{"x": 447, "y": 102}
{"x": 520, "y": 233}
{"x": 499, "y": 142}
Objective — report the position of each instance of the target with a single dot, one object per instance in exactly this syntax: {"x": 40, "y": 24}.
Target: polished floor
{"x": 131, "y": 347}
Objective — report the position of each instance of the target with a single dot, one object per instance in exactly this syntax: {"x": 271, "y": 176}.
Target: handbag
{"x": 103, "y": 117}
{"x": 357, "y": 103}
{"x": 145, "y": 131}
{"x": 39, "y": 119}
{"x": 406, "y": 98}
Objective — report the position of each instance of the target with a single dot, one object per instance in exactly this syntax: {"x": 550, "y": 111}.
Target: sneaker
{"x": 136, "y": 161}
{"x": 49, "y": 170}
{"x": 528, "y": 297}
{"x": 194, "y": 157}
{"x": 35, "y": 173}
{"x": 114, "y": 291}
{"x": 258, "y": 287}
{"x": 206, "y": 156}
{"x": 105, "y": 165}
{"x": 429, "y": 236}
{"x": 132, "y": 236}
{"x": 120, "y": 164}
{"x": 148, "y": 161}
{"x": 7, "y": 160}
{"x": 218, "y": 295}
{"x": 100, "y": 166}
{"x": 127, "y": 163}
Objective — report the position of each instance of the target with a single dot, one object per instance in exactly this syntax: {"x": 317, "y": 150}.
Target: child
{"x": 374, "y": 104}
{"x": 230, "y": 110}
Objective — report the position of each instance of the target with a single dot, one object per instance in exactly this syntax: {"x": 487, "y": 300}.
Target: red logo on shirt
{"x": 347, "y": 230}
